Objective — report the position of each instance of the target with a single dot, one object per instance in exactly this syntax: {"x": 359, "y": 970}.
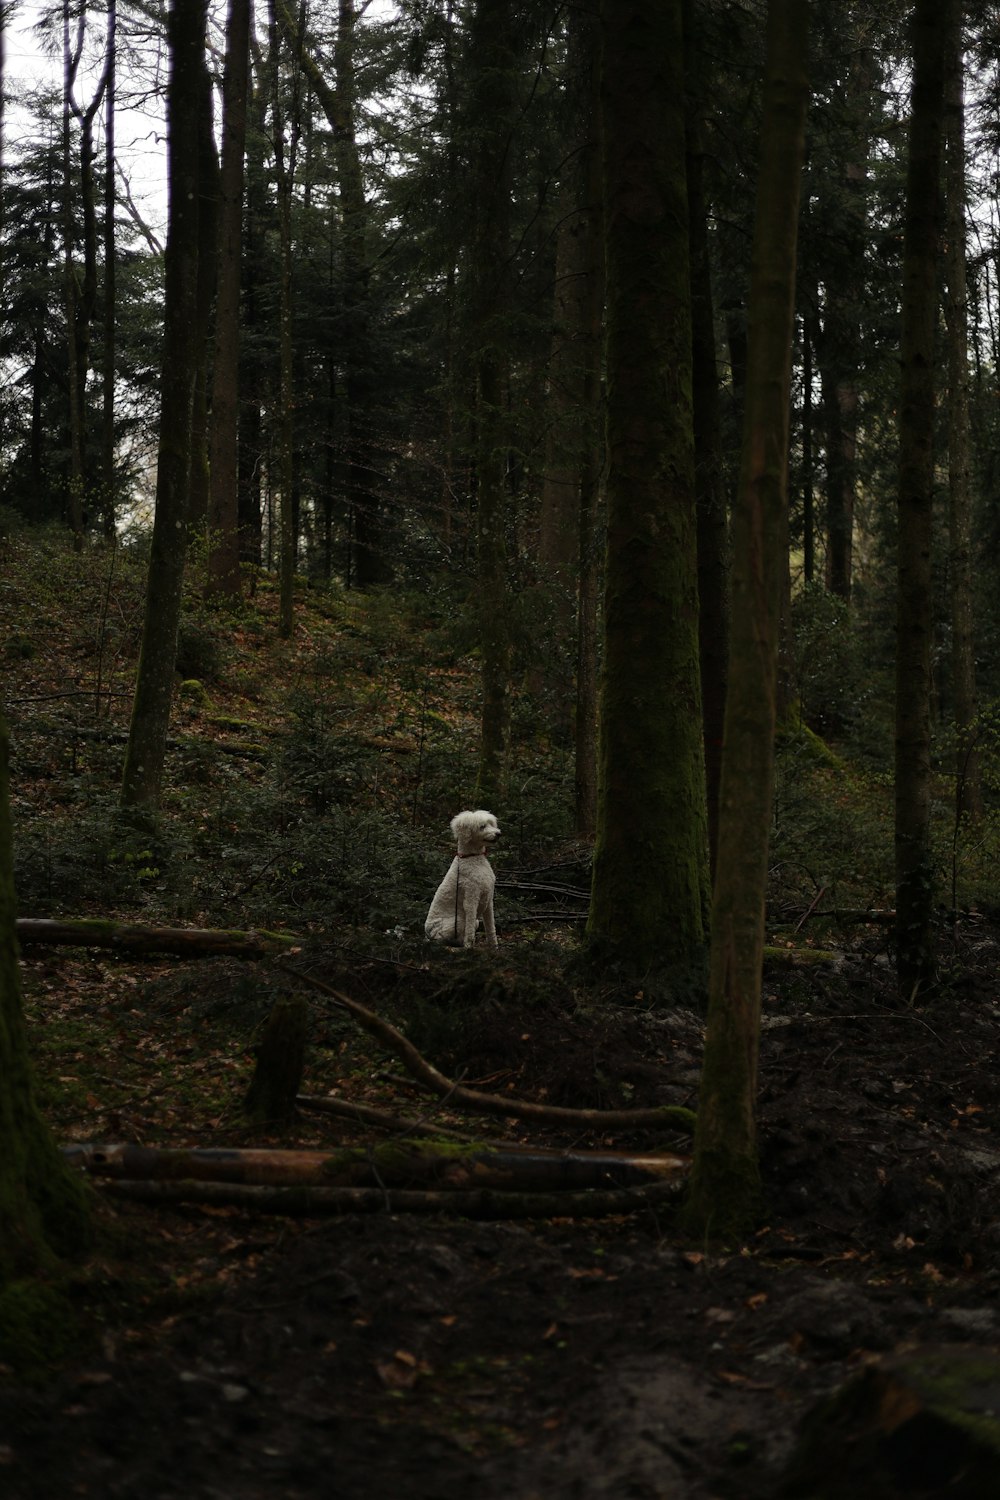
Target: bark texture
{"x": 649, "y": 894}
{"x": 915, "y": 614}
{"x": 144, "y": 756}
{"x": 725, "y": 1180}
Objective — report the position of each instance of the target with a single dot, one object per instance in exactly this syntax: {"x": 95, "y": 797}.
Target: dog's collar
{"x": 477, "y": 855}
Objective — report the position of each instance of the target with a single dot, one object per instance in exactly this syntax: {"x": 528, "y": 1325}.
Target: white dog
{"x": 465, "y": 895}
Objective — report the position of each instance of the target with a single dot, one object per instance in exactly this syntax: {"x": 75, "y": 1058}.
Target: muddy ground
{"x": 438, "y": 1359}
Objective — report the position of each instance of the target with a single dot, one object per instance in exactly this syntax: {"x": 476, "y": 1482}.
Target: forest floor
{"x": 242, "y": 1355}
{"x": 212, "y": 1353}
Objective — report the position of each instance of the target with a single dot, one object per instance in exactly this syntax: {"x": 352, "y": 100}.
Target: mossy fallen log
{"x": 126, "y": 937}
{"x": 387, "y": 1164}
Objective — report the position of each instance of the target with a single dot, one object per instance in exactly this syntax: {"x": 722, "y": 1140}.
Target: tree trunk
{"x": 145, "y": 753}
{"x": 840, "y": 348}
{"x": 223, "y": 581}
{"x": 43, "y": 1212}
{"x": 650, "y": 889}
{"x": 589, "y": 450}
{"x": 969, "y": 795}
{"x": 915, "y": 613}
{"x": 74, "y": 497}
{"x": 208, "y": 247}
{"x": 493, "y": 42}
{"x": 285, "y": 142}
{"x": 725, "y": 1179}
{"x": 710, "y": 495}
{"x": 108, "y": 497}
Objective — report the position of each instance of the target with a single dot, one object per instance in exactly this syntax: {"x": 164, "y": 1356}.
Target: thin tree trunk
{"x": 145, "y": 753}
{"x": 591, "y": 466}
{"x": 710, "y": 496}
{"x": 915, "y": 613}
{"x": 223, "y": 579}
{"x": 840, "y": 345}
{"x": 724, "y": 1193}
{"x": 493, "y": 50}
{"x": 108, "y": 497}
{"x": 285, "y": 139}
{"x": 969, "y": 796}
{"x": 71, "y": 294}
{"x": 208, "y": 247}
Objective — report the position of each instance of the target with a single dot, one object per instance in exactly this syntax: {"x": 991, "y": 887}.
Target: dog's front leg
{"x": 470, "y": 911}
{"x": 489, "y": 924}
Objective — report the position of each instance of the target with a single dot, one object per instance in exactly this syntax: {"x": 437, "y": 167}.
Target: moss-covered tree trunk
{"x": 649, "y": 894}
{"x": 146, "y": 751}
{"x": 725, "y": 1182}
{"x": 914, "y": 608}
{"x": 43, "y": 1210}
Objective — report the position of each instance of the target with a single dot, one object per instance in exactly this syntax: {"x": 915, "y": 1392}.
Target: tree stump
{"x": 280, "y": 1054}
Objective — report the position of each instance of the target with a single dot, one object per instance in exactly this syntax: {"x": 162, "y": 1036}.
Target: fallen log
{"x": 666, "y": 1115}
{"x": 125, "y": 937}
{"x": 388, "y": 1164}
{"x": 480, "y": 1203}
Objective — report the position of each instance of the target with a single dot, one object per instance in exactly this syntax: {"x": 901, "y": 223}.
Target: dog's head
{"x": 475, "y": 832}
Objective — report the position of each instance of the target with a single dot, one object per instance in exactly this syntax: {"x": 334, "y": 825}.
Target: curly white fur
{"x": 465, "y": 895}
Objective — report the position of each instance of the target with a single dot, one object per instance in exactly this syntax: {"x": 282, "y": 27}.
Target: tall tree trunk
{"x": 108, "y": 497}
{"x": 223, "y": 506}
{"x": 808, "y": 445}
{"x": 82, "y": 291}
{"x": 969, "y": 796}
{"x": 590, "y": 462}
{"x": 252, "y": 379}
{"x": 71, "y": 59}
{"x": 493, "y": 43}
{"x": 370, "y": 560}
{"x": 285, "y": 133}
{"x": 648, "y": 904}
{"x": 368, "y": 564}
{"x": 724, "y": 1189}
{"x": 710, "y": 495}
{"x": 43, "y": 1212}
{"x": 208, "y": 246}
{"x": 840, "y": 348}
{"x": 565, "y": 431}
{"x": 144, "y": 755}
{"x": 915, "y": 614}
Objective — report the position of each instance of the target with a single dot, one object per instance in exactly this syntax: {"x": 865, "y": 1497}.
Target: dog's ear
{"x": 458, "y": 825}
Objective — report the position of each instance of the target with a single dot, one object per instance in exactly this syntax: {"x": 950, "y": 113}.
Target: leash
{"x": 458, "y": 873}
